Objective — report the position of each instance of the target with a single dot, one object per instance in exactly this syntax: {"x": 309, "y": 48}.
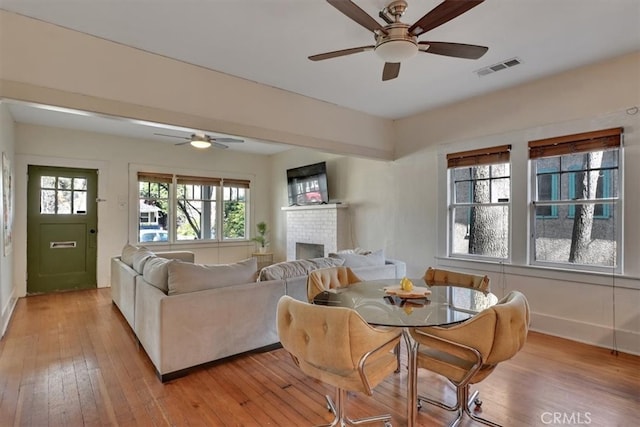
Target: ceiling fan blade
{"x": 390, "y": 71}
{"x": 444, "y": 12}
{"x": 337, "y": 53}
{"x": 171, "y": 136}
{"x": 183, "y": 143}
{"x": 227, "y": 140}
{"x": 457, "y": 50}
{"x": 218, "y": 145}
{"x": 353, "y": 11}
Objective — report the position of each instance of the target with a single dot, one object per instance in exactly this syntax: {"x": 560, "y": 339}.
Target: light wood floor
{"x": 70, "y": 359}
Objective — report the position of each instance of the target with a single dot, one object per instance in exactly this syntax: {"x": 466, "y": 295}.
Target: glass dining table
{"x": 444, "y": 305}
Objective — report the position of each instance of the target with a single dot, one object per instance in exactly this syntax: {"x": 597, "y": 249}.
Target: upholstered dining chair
{"x": 323, "y": 279}
{"x": 328, "y": 278}
{"x": 436, "y": 276}
{"x": 337, "y": 346}
{"x": 468, "y": 352}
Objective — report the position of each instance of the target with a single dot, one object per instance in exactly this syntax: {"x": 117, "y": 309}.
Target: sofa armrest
{"x": 123, "y": 288}
{"x": 148, "y": 322}
{"x": 185, "y": 256}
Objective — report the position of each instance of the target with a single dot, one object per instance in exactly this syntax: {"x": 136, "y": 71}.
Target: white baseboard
{"x": 6, "y": 314}
{"x": 588, "y": 333}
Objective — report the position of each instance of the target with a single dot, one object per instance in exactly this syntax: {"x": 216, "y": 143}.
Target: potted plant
{"x": 261, "y": 238}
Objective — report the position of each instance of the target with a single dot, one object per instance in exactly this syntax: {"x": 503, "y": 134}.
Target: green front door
{"x": 62, "y": 229}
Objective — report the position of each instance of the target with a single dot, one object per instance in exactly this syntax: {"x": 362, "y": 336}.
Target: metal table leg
{"x": 412, "y": 379}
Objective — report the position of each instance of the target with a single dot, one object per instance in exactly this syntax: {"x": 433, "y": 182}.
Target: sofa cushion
{"x": 186, "y": 277}
{"x": 354, "y": 260}
{"x": 156, "y": 273}
{"x": 297, "y": 268}
{"x": 140, "y": 257}
{"x": 127, "y": 254}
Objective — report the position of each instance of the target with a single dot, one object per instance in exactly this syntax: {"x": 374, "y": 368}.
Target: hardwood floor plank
{"x": 71, "y": 359}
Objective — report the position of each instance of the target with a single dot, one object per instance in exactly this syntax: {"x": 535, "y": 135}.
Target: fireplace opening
{"x": 309, "y": 250}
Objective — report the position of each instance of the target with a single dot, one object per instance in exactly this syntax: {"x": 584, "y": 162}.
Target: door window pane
{"x": 79, "y": 183}
{"x": 64, "y": 202}
{"x": 48, "y": 202}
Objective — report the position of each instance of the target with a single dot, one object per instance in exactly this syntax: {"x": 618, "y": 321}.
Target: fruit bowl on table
{"x": 416, "y": 292}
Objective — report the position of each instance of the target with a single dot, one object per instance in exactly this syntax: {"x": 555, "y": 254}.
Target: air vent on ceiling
{"x": 499, "y": 66}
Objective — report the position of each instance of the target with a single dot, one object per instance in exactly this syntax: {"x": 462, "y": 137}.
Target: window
{"x": 60, "y": 195}
{"x": 587, "y": 171}
{"x": 479, "y": 200}
{"x": 186, "y": 208}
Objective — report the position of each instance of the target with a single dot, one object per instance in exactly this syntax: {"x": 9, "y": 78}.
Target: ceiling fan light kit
{"x": 397, "y": 45}
{"x": 200, "y": 144}
{"x": 397, "y": 41}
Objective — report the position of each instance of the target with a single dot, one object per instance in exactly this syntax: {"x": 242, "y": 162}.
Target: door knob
{"x": 92, "y": 231}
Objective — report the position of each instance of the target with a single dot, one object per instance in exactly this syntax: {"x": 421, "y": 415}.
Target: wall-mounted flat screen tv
{"x": 307, "y": 185}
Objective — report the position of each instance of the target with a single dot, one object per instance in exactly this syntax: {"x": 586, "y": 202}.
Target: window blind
{"x": 577, "y": 143}
{"x": 193, "y": 180}
{"x": 237, "y": 183}
{"x": 198, "y": 180}
{"x": 484, "y": 156}
{"x": 154, "y": 177}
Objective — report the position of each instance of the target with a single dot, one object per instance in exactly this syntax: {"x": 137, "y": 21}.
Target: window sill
{"x": 584, "y": 277}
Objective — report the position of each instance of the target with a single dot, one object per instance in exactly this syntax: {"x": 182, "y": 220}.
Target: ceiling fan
{"x": 202, "y": 140}
{"x": 398, "y": 41}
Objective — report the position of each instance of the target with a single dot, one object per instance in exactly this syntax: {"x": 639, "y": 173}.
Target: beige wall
{"x": 582, "y": 93}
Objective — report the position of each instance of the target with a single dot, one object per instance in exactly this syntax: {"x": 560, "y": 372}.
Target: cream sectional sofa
{"x": 187, "y": 314}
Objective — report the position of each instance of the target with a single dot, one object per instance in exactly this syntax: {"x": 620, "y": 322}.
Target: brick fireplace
{"x": 326, "y": 225}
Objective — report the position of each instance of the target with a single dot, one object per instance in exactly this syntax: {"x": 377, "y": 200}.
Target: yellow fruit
{"x": 406, "y": 284}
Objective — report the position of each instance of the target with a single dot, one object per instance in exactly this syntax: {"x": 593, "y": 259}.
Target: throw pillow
{"x": 326, "y": 262}
{"x": 127, "y": 254}
{"x": 355, "y": 260}
{"x": 300, "y": 267}
{"x": 140, "y": 257}
{"x": 187, "y": 277}
{"x": 358, "y": 251}
{"x": 156, "y": 273}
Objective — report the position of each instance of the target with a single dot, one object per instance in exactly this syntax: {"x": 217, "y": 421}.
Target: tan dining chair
{"x": 328, "y": 278}
{"x": 324, "y": 279}
{"x": 468, "y": 352}
{"x": 437, "y": 276}
{"x": 337, "y": 346}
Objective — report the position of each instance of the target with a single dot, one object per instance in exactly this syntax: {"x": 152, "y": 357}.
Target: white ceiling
{"x": 268, "y": 41}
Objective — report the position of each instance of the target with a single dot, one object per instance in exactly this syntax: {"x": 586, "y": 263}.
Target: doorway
{"x": 62, "y": 218}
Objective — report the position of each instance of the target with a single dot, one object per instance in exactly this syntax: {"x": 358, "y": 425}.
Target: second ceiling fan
{"x": 397, "y": 41}
{"x": 202, "y": 140}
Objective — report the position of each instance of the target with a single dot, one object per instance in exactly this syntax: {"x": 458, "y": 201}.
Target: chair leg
{"x": 341, "y": 418}
{"x": 462, "y": 406}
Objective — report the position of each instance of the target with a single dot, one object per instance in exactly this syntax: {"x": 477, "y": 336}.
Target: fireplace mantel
{"x": 326, "y": 225}
{"x": 318, "y": 206}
